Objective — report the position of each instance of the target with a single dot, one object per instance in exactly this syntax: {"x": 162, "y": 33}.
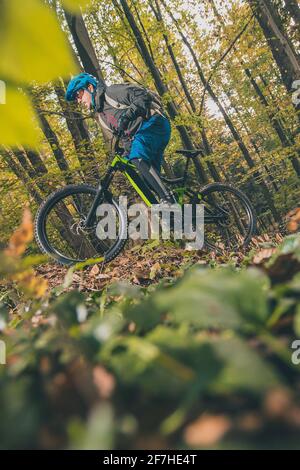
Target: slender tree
{"x": 160, "y": 85}
{"x": 19, "y": 172}
{"x": 282, "y": 49}
{"x": 293, "y": 8}
{"x": 235, "y": 133}
{"x": 83, "y": 44}
{"x": 286, "y": 140}
{"x": 206, "y": 145}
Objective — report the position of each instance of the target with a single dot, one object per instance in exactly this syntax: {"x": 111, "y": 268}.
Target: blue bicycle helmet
{"x": 79, "y": 82}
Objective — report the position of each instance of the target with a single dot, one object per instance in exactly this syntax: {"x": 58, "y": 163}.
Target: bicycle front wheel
{"x": 229, "y": 217}
{"x": 60, "y": 231}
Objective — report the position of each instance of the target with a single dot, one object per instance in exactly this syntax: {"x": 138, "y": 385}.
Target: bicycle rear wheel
{"x": 229, "y": 217}
{"x": 60, "y": 232}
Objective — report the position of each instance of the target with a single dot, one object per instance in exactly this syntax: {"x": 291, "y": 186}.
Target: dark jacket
{"x": 128, "y": 100}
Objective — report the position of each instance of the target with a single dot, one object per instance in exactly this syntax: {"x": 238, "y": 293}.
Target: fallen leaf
{"x": 95, "y": 270}
{"x": 103, "y": 276}
{"x": 154, "y": 271}
{"x": 292, "y": 226}
{"x": 21, "y": 237}
{"x": 277, "y": 402}
{"x": 207, "y": 430}
{"x": 293, "y": 218}
{"x": 249, "y": 422}
{"x": 263, "y": 255}
{"x": 104, "y": 381}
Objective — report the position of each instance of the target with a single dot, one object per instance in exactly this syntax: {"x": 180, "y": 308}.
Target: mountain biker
{"x": 132, "y": 114}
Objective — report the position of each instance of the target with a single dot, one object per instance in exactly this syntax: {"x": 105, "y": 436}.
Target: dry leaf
{"x": 45, "y": 365}
{"x": 263, "y": 255}
{"x": 141, "y": 274}
{"x": 296, "y": 216}
{"x": 292, "y": 226}
{"x": 33, "y": 285}
{"x": 293, "y": 416}
{"x": 103, "y": 276}
{"x": 132, "y": 327}
{"x": 154, "y": 270}
{"x": 293, "y": 220}
{"x": 104, "y": 381}
{"x": 206, "y": 430}
{"x": 277, "y": 402}
{"x": 21, "y": 237}
{"x": 95, "y": 270}
{"x": 249, "y": 422}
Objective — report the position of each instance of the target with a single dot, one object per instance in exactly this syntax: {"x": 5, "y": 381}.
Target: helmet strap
{"x": 93, "y": 97}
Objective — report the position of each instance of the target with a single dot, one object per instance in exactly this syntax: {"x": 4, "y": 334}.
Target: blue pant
{"x": 151, "y": 140}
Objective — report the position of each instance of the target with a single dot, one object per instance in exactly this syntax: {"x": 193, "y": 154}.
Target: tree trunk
{"x": 276, "y": 124}
{"x": 214, "y": 97}
{"x": 285, "y": 140}
{"x": 22, "y": 176}
{"x": 160, "y": 85}
{"x": 293, "y": 8}
{"x": 237, "y": 137}
{"x": 208, "y": 150}
{"x": 54, "y": 144}
{"x": 22, "y": 158}
{"x": 80, "y": 135}
{"x": 143, "y": 29}
{"x": 83, "y": 44}
{"x": 281, "y": 47}
{"x": 253, "y": 142}
{"x": 36, "y": 161}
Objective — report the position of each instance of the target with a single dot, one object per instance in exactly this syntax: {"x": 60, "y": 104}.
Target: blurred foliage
{"x": 27, "y": 55}
{"x": 204, "y": 361}
{"x": 18, "y": 270}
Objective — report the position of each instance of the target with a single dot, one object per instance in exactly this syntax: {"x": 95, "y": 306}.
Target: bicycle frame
{"x": 129, "y": 170}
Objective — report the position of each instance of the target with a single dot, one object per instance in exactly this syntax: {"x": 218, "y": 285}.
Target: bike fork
{"x": 101, "y": 193}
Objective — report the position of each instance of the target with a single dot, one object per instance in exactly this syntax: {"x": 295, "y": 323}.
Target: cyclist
{"x": 135, "y": 116}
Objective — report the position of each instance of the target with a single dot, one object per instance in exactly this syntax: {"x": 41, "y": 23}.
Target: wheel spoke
{"x": 64, "y": 229}
{"x": 227, "y": 232}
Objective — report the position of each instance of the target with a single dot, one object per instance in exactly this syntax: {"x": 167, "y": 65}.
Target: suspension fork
{"x": 102, "y": 193}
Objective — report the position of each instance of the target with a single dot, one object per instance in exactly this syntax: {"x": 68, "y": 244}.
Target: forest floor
{"x": 206, "y": 362}
{"x": 149, "y": 263}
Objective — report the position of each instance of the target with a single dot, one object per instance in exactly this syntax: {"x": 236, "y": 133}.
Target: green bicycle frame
{"x": 138, "y": 184}
{"x": 128, "y": 169}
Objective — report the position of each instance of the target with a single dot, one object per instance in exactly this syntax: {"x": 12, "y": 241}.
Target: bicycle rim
{"x": 61, "y": 230}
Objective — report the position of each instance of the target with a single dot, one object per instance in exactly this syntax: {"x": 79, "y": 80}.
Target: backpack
{"x": 156, "y": 103}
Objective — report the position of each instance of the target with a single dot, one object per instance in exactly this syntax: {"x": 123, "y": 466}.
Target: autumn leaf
{"x": 94, "y": 271}
{"x": 294, "y": 220}
{"x": 277, "y": 402}
{"x": 154, "y": 270}
{"x": 21, "y": 237}
{"x": 206, "y": 430}
{"x": 104, "y": 381}
{"x": 34, "y": 286}
{"x": 263, "y": 255}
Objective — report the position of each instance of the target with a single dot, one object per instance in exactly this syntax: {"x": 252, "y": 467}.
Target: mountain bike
{"x": 65, "y": 224}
